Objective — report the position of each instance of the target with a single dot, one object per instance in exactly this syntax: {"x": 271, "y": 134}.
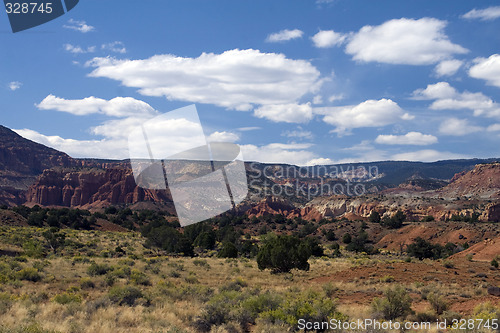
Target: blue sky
{"x": 301, "y": 82}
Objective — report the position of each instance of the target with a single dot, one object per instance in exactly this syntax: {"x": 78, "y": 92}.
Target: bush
{"x": 494, "y": 263}
{"x": 126, "y": 295}
{"x": 86, "y": 283}
{"x": 395, "y": 304}
{"x": 228, "y": 250}
{"x": 346, "y": 239}
{"x": 437, "y": 302}
{"x": 140, "y": 278}
{"x": 29, "y": 274}
{"x": 67, "y": 297}
{"x": 374, "y": 217}
{"x": 282, "y": 253}
{"x": 422, "y": 249}
{"x": 98, "y": 269}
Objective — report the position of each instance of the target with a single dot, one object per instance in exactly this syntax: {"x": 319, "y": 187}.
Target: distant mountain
{"x": 33, "y": 173}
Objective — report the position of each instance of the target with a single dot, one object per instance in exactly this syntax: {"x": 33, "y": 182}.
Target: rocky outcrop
{"x": 90, "y": 188}
{"x": 481, "y": 182}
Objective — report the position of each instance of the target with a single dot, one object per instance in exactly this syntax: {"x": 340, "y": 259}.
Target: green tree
{"x": 282, "y": 253}
{"x": 228, "y": 250}
{"x": 375, "y": 217}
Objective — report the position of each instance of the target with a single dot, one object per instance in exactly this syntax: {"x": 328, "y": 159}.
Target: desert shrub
{"x": 395, "y": 304}
{"x": 67, "y": 297}
{"x": 109, "y": 279}
{"x": 449, "y": 316}
{"x": 234, "y": 285}
{"x": 202, "y": 263}
{"x": 87, "y": 283}
{"x": 329, "y": 290}
{"x": 228, "y": 250}
{"x": 421, "y": 317}
{"x": 438, "y": 303}
{"x": 448, "y": 264}
{"x": 98, "y": 269}
{"x": 428, "y": 218}
{"x": 5, "y": 303}
{"x": 387, "y": 279}
{"x": 314, "y": 246}
{"x": 139, "y": 278}
{"x": 309, "y": 306}
{"x": 174, "y": 274}
{"x": 126, "y": 295}
{"x": 282, "y": 253}
{"x": 494, "y": 263}
{"x": 34, "y": 249}
{"x": 128, "y": 262}
{"x": 191, "y": 279}
{"x": 487, "y": 311}
{"x": 29, "y": 274}
{"x": 121, "y": 271}
{"x": 257, "y": 304}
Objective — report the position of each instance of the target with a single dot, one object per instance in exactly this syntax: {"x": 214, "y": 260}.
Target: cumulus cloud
{"x": 108, "y": 149}
{"x": 284, "y": 35}
{"x": 427, "y": 155}
{"x": 14, "y": 85}
{"x": 448, "y": 98}
{"x": 288, "y": 113}
{"x": 296, "y": 154}
{"x": 116, "y": 107}
{"x": 76, "y": 49}
{"x": 487, "y": 14}
{"x": 223, "y": 137}
{"x": 299, "y": 133}
{"x": 235, "y": 79}
{"x": 320, "y": 161}
{"x": 117, "y": 47}
{"x": 80, "y": 26}
{"x": 458, "y": 127}
{"x": 371, "y": 113}
{"x": 411, "y": 138}
{"x": 328, "y": 38}
{"x": 487, "y": 69}
{"x": 403, "y": 41}
{"x": 448, "y": 67}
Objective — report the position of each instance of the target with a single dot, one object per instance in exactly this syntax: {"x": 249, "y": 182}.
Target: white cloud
{"x": 296, "y": 154}
{"x": 438, "y": 90}
{"x": 108, "y": 149}
{"x": 448, "y": 67}
{"x": 447, "y": 98}
{"x": 458, "y": 127}
{"x": 486, "y": 14}
{"x": 487, "y": 69}
{"x": 116, "y": 107}
{"x": 117, "y": 47}
{"x": 320, "y": 161}
{"x": 284, "y": 35}
{"x": 223, "y": 137}
{"x": 370, "y": 113}
{"x": 81, "y": 26}
{"x": 318, "y": 99}
{"x": 288, "y": 113}
{"x": 334, "y": 98}
{"x": 76, "y": 49}
{"x": 411, "y": 138}
{"x": 328, "y": 38}
{"x": 299, "y": 134}
{"x": 235, "y": 79}
{"x": 249, "y": 128}
{"x": 14, "y": 85}
{"x": 427, "y": 155}
{"x": 493, "y": 128}
{"x": 403, "y": 41}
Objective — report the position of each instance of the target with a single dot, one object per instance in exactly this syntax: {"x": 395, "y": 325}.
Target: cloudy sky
{"x": 301, "y": 82}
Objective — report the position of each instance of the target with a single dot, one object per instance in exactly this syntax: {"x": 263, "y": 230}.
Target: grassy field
{"x": 109, "y": 282}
